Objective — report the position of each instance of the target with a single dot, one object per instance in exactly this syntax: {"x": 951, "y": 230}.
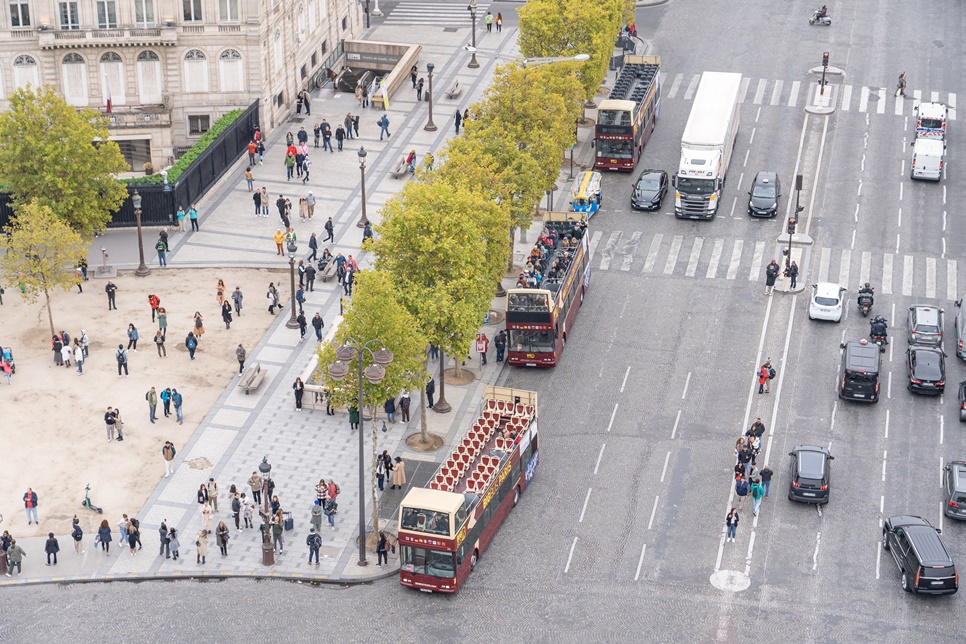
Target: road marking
{"x": 846, "y": 97}
{"x": 594, "y": 241}
{"x": 823, "y": 264}
{"x": 941, "y": 427}
{"x": 756, "y": 261}
{"x": 951, "y": 292}
{"x": 881, "y": 504}
{"x": 693, "y": 85}
{"x": 570, "y": 556}
{"x": 744, "y": 88}
{"x": 887, "y": 274}
{"x": 845, "y": 267}
{"x": 695, "y": 256}
{"x": 652, "y": 253}
{"x": 666, "y": 459}
{"x": 880, "y": 106}
{"x": 735, "y": 259}
{"x": 900, "y": 103}
{"x": 916, "y": 98}
{"x": 760, "y": 92}
{"x": 951, "y": 106}
{"x": 899, "y": 214}
{"x": 678, "y": 79}
{"x": 818, "y": 543}
{"x": 907, "y": 268}
{"x": 715, "y": 258}
{"x": 650, "y": 523}
{"x": 672, "y": 257}
{"x": 626, "y": 373}
{"x": 586, "y": 500}
{"x": 751, "y": 549}
{"x": 614, "y": 413}
{"x": 887, "y": 421}
{"x": 884, "y": 454}
{"x": 931, "y": 277}
{"x": 600, "y": 456}
{"x": 629, "y": 249}
{"x": 934, "y": 97}
{"x": 865, "y": 269}
{"x": 687, "y": 382}
{"x": 793, "y": 95}
{"x": 609, "y": 249}
{"x": 640, "y": 562}
{"x": 878, "y": 558}
{"x": 674, "y": 430}
{"x": 864, "y": 99}
{"x": 776, "y": 94}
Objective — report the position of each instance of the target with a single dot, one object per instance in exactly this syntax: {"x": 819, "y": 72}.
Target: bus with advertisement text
{"x": 626, "y": 118}
{"x": 542, "y": 308}
{"x": 445, "y": 528}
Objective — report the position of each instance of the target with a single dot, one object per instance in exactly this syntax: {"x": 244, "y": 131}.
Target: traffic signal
{"x": 791, "y": 226}
{"x": 825, "y": 59}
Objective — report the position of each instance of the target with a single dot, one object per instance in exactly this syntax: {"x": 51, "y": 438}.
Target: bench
{"x": 252, "y": 378}
{"x": 329, "y": 271}
{"x": 454, "y": 89}
{"x": 399, "y": 169}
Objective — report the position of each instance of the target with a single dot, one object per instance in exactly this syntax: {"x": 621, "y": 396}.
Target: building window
{"x": 280, "y": 99}
{"x": 25, "y": 71}
{"x": 19, "y": 13}
{"x": 198, "y": 124}
{"x": 277, "y": 52}
{"x": 345, "y": 22}
{"x": 74, "y": 80}
{"x": 147, "y": 57}
{"x": 304, "y": 71}
{"x": 315, "y": 59}
{"x": 144, "y": 13}
{"x": 192, "y": 11}
{"x": 150, "y": 80}
{"x": 106, "y": 14}
{"x": 228, "y": 10}
{"x": 69, "y": 16}
{"x": 111, "y": 57}
{"x": 195, "y": 72}
{"x": 325, "y": 47}
{"x": 300, "y": 19}
{"x": 231, "y": 71}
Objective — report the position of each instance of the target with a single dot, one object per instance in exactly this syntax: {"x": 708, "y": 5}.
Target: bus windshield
{"x": 615, "y": 148}
{"x": 426, "y": 521}
{"x": 693, "y": 186}
{"x": 529, "y": 302}
{"x": 422, "y": 561}
{"x": 531, "y": 341}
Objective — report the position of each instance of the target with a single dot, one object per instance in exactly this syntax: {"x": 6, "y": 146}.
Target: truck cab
{"x": 931, "y": 121}
{"x": 697, "y": 185}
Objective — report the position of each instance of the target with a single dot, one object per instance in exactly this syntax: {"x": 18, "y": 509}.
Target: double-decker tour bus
{"x": 542, "y": 307}
{"x": 626, "y": 118}
{"x": 445, "y": 528}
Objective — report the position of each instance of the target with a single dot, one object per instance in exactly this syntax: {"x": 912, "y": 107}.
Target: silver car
{"x": 926, "y": 325}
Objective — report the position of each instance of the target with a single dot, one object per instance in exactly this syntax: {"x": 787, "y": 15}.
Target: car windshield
{"x": 692, "y": 186}
{"x": 927, "y": 328}
{"x": 826, "y": 301}
{"x": 763, "y": 191}
{"x": 811, "y": 465}
{"x": 649, "y": 184}
{"x": 933, "y": 124}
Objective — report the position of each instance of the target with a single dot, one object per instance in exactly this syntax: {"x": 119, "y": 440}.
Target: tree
{"x": 42, "y": 251}
{"x": 60, "y": 158}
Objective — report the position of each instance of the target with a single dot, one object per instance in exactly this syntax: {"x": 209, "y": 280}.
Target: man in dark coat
{"x": 771, "y": 274}
{"x": 430, "y": 390}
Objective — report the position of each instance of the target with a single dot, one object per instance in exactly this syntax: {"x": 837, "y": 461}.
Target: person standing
{"x": 766, "y": 475}
{"x": 133, "y": 538}
{"x": 247, "y": 511}
{"x": 489, "y": 21}
{"x": 79, "y": 357}
{"x": 314, "y": 542}
{"x": 329, "y": 231}
{"x": 78, "y": 536}
{"x": 255, "y": 483}
{"x": 240, "y": 355}
{"x": 757, "y": 493}
{"x": 499, "y": 22}
{"x": 317, "y": 324}
{"x": 413, "y": 74}
{"x": 316, "y": 513}
{"x": 329, "y": 509}
{"x": 165, "y": 540}
{"x": 132, "y": 338}
{"x": 177, "y": 400}
{"x": 404, "y": 403}
{"x": 191, "y": 343}
{"x": 30, "y": 506}
{"x": 770, "y": 373}
{"x": 202, "y": 495}
{"x": 326, "y": 136}
{"x": 174, "y": 543}
{"x": 792, "y": 273}
{"x": 104, "y": 536}
{"x": 202, "y": 544}
{"x": 252, "y": 149}
{"x": 353, "y": 418}
{"x": 85, "y": 342}
{"x": 181, "y": 219}
{"x": 731, "y": 521}
{"x": 348, "y": 122}
{"x": 110, "y": 420}
{"x": 278, "y": 540}
{"x": 206, "y": 513}
{"x": 382, "y": 550}
{"x": 162, "y": 250}
{"x": 121, "y": 356}
{"x": 762, "y": 379}
{"x": 212, "y": 488}
{"x": 257, "y": 200}
{"x": 339, "y": 136}
{"x": 383, "y": 124}
{"x": 390, "y": 407}
{"x": 193, "y": 216}
{"x": 398, "y": 474}
{"x": 771, "y": 274}
{"x": 310, "y": 278}
{"x": 152, "y": 397}
{"x": 381, "y": 473}
{"x": 15, "y": 555}
{"x": 348, "y": 280}
{"x": 419, "y": 90}
{"x": 226, "y": 313}
{"x": 199, "y": 324}
{"x": 500, "y": 343}
{"x": 163, "y": 320}
{"x": 272, "y": 296}
{"x": 236, "y": 510}
{"x": 154, "y": 302}
{"x": 299, "y": 389}
{"x": 168, "y": 452}
{"x": 430, "y": 390}
{"x": 111, "y": 290}
{"x": 222, "y": 537}
{"x": 166, "y": 401}
{"x": 302, "y": 323}
{"x": 237, "y": 298}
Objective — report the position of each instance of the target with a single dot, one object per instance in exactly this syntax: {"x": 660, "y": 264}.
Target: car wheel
{"x": 885, "y": 540}
{"x": 905, "y": 583}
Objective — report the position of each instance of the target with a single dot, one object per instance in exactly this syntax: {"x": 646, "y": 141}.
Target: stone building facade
{"x": 173, "y": 67}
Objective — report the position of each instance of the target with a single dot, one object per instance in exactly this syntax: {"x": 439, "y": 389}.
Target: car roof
{"x": 958, "y": 470}
{"x": 928, "y": 545}
{"x": 932, "y": 109}
{"x": 645, "y": 173}
{"x": 811, "y": 448}
{"x": 926, "y": 354}
{"x": 827, "y": 289}
{"x": 929, "y": 146}
{"x": 926, "y": 314}
{"x": 903, "y": 520}
{"x": 766, "y": 177}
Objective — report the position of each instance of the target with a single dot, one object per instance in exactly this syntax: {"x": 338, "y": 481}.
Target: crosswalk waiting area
{"x": 851, "y": 98}
{"x": 434, "y": 14}
{"x": 733, "y": 259}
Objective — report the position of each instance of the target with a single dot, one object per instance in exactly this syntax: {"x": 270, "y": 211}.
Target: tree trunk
{"x": 50, "y": 314}
{"x": 441, "y": 405}
{"x": 423, "y": 431}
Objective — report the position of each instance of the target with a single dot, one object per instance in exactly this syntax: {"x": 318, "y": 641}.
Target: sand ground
{"x": 53, "y": 435}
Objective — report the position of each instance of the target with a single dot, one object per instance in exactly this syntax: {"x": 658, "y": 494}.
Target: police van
{"x": 931, "y": 121}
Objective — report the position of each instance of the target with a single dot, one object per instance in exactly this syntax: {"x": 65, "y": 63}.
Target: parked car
{"x": 960, "y": 324}
{"x": 962, "y": 401}
{"x": 924, "y": 564}
{"x": 764, "y": 194}
{"x": 927, "y": 370}
{"x": 649, "y": 190}
{"x": 810, "y": 474}
{"x": 954, "y": 487}
{"x": 827, "y": 303}
{"x": 926, "y": 325}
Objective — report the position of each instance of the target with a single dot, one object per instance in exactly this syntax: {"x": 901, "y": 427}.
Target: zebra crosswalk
{"x": 735, "y": 260}
{"x": 436, "y": 14}
{"x": 851, "y": 98}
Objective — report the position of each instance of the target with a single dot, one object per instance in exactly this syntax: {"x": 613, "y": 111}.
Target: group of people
{"x": 551, "y": 256}
{"x": 748, "y": 480}
{"x": 64, "y": 351}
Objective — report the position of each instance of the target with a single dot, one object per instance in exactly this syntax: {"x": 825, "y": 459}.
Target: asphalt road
{"x": 619, "y": 534}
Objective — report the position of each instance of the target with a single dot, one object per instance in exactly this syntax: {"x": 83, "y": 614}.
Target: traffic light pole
{"x": 824, "y": 69}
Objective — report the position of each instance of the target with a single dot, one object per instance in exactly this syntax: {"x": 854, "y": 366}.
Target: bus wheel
{"x": 516, "y": 495}
{"x": 473, "y": 560}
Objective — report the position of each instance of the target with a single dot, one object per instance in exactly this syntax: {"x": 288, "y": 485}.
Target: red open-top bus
{"x": 444, "y": 529}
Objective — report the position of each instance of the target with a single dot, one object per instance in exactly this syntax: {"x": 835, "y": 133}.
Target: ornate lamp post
{"x": 362, "y": 168}
{"x": 473, "y": 64}
{"x": 374, "y": 373}
{"x": 292, "y": 249}
{"x": 142, "y": 270}
{"x": 430, "y": 126}
{"x": 268, "y": 553}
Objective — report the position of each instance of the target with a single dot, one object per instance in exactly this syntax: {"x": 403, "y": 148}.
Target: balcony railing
{"x": 121, "y": 117}
{"x": 125, "y": 37}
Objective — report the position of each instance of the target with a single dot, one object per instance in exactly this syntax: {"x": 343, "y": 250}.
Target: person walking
{"x": 383, "y": 124}
{"x": 240, "y": 355}
{"x": 302, "y": 323}
{"x": 314, "y": 542}
{"x": 222, "y": 536}
{"x": 766, "y": 475}
{"x": 741, "y": 489}
{"x": 348, "y": 280}
{"x": 459, "y": 121}
{"x": 30, "y": 506}
{"x": 771, "y": 274}
{"x": 365, "y": 97}
{"x": 731, "y": 522}
{"x": 792, "y": 273}
{"x": 206, "y": 513}
{"x": 174, "y": 543}
{"x": 152, "y": 397}
{"x": 272, "y": 297}
{"x": 132, "y": 338}
{"x": 121, "y": 357}
{"x": 111, "y": 289}
{"x": 202, "y": 496}
{"x": 15, "y": 555}
{"x": 762, "y": 379}
{"x": 104, "y": 537}
{"x": 164, "y": 540}
{"x": 404, "y": 403}
{"x": 237, "y": 297}
{"x": 298, "y": 388}
{"x": 313, "y": 245}
{"x": 79, "y": 357}
{"x": 162, "y": 250}
{"x": 318, "y": 324}
{"x": 382, "y": 550}
{"x": 201, "y": 543}
{"x": 191, "y": 343}
{"x": 398, "y": 474}
{"x": 168, "y": 452}
{"x": 110, "y": 420}
{"x": 133, "y": 538}
{"x": 430, "y": 390}
{"x": 77, "y": 534}
{"x": 226, "y": 313}
{"x": 419, "y": 90}
{"x": 901, "y": 85}
{"x": 177, "y": 399}
{"x": 499, "y": 22}
{"x": 326, "y": 130}
{"x": 329, "y": 231}
{"x": 353, "y": 418}
{"x": 489, "y": 21}
{"x": 757, "y": 493}
{"x": 193, "y": 216}
{"x": 770, "y": 374}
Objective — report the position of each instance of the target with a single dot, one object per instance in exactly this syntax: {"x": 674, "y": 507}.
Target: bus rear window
{"x": 857, "y": 376}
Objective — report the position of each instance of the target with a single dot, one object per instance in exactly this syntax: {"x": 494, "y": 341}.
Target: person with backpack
{"x": 757, "y": 494}
{"x": 121, "y": 356}
{"x": 770, "y": 374}
{"x": 78, "y": 536}
{"x": 168, "y": 452}
{"x": 741, "y": 489}
{"x": 330, "y": 509}
{"x": 382, "y": 550}
{"x": 731, "y": 521}
{"x": 177, "y": 400}
{"x": 314, "y": 542}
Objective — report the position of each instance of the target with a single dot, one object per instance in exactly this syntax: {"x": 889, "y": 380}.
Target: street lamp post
{"x": 142, "y": 270}
{"x": 374, "y": 373}
{"x": 362, "y": 168}
{"x": 292, "y": 249}
{"x": 430, "y": 126}
{"x": 473, "y": 64}
{"x": 268, "y": 552}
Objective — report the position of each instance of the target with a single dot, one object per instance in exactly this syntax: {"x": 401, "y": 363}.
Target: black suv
{"x": 954, "y": 488}
{"x": 927, "y": 370}
{"x": 810, "y": 474}
{"x": 860, "y": 371}
{"x": 923, "y": 562}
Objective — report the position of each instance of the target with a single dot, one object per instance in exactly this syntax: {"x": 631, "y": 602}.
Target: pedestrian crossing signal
{"x": 791, "y": 226}
{"x": 825, "y": 59}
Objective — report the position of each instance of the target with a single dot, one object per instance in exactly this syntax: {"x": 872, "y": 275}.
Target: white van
{"x": 931, "y": 120}
{"x": 927, "y": 159}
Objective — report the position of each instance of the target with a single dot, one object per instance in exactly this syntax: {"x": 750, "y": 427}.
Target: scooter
{"x": 87, "y": 500}
{"x": 880, "y": 339}
{"x": 865, "y": 303}
{"x": 825, "y": 20}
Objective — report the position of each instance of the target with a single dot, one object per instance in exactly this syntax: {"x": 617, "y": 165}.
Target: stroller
{"x": 8, "y": 357}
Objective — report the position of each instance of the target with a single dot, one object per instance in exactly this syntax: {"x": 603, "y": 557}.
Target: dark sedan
{"x": 764, "y": 194}
{"x": 649, "y": 190}
{"x": 927, "y": 370}
{"x": 962, "y": 402}
{"x": 810, "y": 474}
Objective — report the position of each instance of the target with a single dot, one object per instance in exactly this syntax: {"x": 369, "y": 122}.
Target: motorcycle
{"x": 865, "y": 303}
{"x": 87, "y": 501}
{"x": 880, "y": 338}
{"x": 825, "y": 20}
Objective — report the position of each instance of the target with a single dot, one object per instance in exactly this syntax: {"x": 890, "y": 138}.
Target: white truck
{"x": 707, "y": 144}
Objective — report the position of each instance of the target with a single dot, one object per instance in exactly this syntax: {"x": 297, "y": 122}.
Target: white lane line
{"x": 599, "y": 456}
{"x": 887, "y": 423}
{"x": 823, "y": 264}
{"x": 864, "y": 99}
{"x": 884, "y": 455}
{"x": 951, "y": 268}
{"x": 760, "y": 92}
{"x": 626, "y": 373}
{"x": 942, "y": 513}
{"x": 931, "y": 277}
{"x": 756, "y": 261}
{"x": 878, "y": 558}
{"x": 942, "y": 423}
{"x": 652, "y": 253}
{"x": 818, "y": 543}
{"x": 674, "y": 431}
{"x": 735, "y": 202}
{"x": 793, "y": 95}
{"x": 695, "y": 256}
{"x": 942, "y": 469}
{"x": 675, "y": 86}
{"x": 735, "y": 259}
{"x": 845, "y": 267}
{"x": 900, "y": 103}
{"x": 951, "y": 105}
{"x": 889, "y": 391}
{"x": 881, "y": 503}
{"x": 744, "y": 88}
{"x": 887, "y": 274}
{"x": 594, "y": 241}
{"x": 650, "y": 523}
{"x": 865, "y": 269}
{"x": 570, "y": 556}
{"x": 614, "y": 413}
{"x": 907, "y": 268}
{"x": 687, "y": 381}
{"x": 846, "y": 97}
{"x": 640, "y": 562}
{"x": 693, "y": 85}
{"x": 916, "y": 99}
{"x": 751, "y": 550}
{"x": 672, "y": 257}
{"x": 776, "y": 94}
{"x": 584, "y": 509}
{"x": 666, "y": 459}
{"x": 881, "y": 103}
{"x": 715, "y": 258}
{"x": 630, "y": 246}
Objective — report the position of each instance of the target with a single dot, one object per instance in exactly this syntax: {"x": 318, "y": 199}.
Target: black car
{"x": 810, "y": 475}
{"x": 923, "y": 562}
{"x": 962, "y": 402}
{"x": 764, "y": 194}
{"x": 954, "y": 487}
{"x": 649, "y": 190}
{"x": 927, "y": 370}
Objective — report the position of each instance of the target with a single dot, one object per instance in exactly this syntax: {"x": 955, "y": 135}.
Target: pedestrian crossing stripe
{"x": 850, "y": 97}
{"x": 729, "y": 259}
{"x": 433, "y": 14}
